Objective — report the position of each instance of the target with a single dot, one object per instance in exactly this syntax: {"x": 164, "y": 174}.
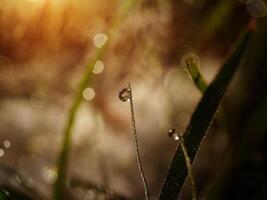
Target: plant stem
{"x": 146, "y": 190}
{"x": 189, "y": 168}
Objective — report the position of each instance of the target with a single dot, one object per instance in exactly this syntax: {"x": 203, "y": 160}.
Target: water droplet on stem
{"x": 174, "y": 134}
{"x": 125, "y": 94}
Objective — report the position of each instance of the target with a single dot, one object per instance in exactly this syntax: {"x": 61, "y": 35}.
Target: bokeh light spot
{"x": 49, "y": 174}
{"x": 2, "y": 152}
{"x": 89, "y": 94}
{"x": 100, "y": 39}
{"x": 7, "y": 144}
{"x": 99, "y": 67}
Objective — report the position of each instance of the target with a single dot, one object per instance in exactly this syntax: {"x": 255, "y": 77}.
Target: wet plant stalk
{"x": 146, "y": 190}
{"x": 189, "y": 167}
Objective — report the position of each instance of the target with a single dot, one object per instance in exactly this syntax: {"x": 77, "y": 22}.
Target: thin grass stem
{"x": 189, "y": 167}
{"x": 142, "y": 174}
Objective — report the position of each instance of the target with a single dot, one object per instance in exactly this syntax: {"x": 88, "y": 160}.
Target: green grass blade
{"x": 219, "y": 15}
{"x": 67, "y": 137}
{"x": 200, "y": 122}
{"x": 196, "y": 75}
{"x": 65, "y": 150}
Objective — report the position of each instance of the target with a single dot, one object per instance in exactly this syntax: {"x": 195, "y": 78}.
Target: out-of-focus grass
{"x": 64, "y": 155}
{"x": 67, "y": 137}
{"x": 219, "y": 15}
{"x": 200, "y": 122}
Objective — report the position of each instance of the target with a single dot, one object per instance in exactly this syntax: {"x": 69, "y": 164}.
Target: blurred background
{"x": 45, "y": 47}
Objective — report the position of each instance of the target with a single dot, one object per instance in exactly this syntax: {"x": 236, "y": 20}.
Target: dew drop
{"x": 125, "y": 94}
{"x": 173, "y": 134}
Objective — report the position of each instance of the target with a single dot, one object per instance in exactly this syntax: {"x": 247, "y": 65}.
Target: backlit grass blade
{"x": 200, "y": 122}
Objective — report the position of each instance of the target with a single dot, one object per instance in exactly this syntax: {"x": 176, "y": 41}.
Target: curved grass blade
{"x": 64, "y": 154}
{"x": 65, "y": 150}
{"x": 200, "y": 122}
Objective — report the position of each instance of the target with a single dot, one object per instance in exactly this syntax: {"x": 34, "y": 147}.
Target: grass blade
{"x": 200, "y": 122}
{"x": 65, "y": 150}
{"x": 67, "y": 137}
{"x": 196, "y": 75}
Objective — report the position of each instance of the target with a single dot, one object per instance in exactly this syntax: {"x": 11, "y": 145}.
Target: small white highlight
{"x": 98, "y": 67}
{"x": 89, "y": 94}
{"x": 176, "y": 137}
{"x": 7, "y": 144}
{"x": 100, "y": 39}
